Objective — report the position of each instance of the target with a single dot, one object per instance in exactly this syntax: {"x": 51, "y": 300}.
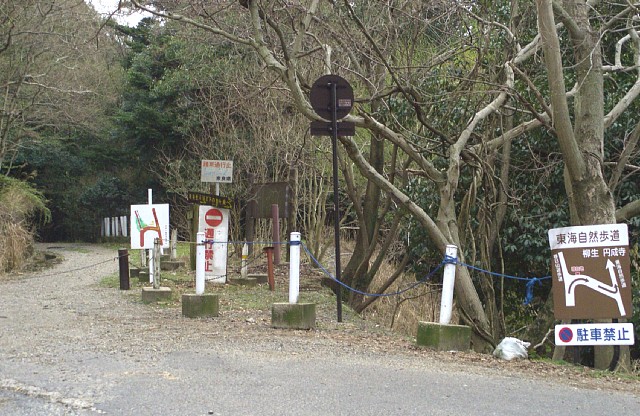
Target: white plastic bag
{"x": 511, "y": 348}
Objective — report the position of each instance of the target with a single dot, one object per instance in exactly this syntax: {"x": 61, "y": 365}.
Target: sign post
{"x": 332, "y": 99}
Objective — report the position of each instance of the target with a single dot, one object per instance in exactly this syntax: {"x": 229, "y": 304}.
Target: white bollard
{"x": 174, "y": 244}
{"x": 244, "y": 269}
{"x": 124, "y": 226}
{"x": 294, "y": 267}
{"x": 448, "y": 282}
{"x": 200, "y": 263}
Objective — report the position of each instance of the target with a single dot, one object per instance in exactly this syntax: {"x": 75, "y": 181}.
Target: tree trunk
{"x": 583, "y": 145}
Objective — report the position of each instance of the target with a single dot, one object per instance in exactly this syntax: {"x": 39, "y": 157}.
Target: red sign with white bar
{"x": 214, "y": 223}
{"x": 213, "y": 217}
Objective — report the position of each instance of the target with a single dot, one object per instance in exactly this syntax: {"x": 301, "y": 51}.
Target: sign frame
{"x": 216, "y": 247}
{"x": 594, "y": 334}
{"x": 152, "y": 219}
{"x": 216, "y": 171}
{"x": 591, "y": 272}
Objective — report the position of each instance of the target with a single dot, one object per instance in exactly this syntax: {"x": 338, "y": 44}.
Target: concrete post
{"x": 448, "y": 281}
{"x": 152, "y": 265}
{"x": 156, "y": 263}
{"x": 174, "y": 245}
{"x": 244, "y": 270}
{"x": 294, "y": 267}
{"x": 200, "y": 263}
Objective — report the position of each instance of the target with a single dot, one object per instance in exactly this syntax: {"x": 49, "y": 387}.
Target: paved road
{"x": 71, "y": 347}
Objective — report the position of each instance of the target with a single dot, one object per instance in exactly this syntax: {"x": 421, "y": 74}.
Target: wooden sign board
{"x": 591, "y": 272}
{"x": 263, "y": 195}
{"x": 208, "y": 199}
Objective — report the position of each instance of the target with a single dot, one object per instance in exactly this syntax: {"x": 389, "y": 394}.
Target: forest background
{"x": 481, "y": 124}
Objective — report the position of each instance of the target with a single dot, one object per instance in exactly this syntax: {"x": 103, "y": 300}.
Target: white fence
{"x": 115, "y": 227}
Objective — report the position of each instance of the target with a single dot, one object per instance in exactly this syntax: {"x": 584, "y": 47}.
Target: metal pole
{"x": 200, "y": 263}
{"x": 336, "y": 203}
{"x": 123, "y": 264}
{"x": 150, "y": 252}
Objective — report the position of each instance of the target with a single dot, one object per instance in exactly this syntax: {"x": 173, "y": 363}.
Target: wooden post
{"x": 123, "y": 263}
{"x": 270, "y": 277}
{"x": 156, "y": 263}
{"x": 275, "y": 232}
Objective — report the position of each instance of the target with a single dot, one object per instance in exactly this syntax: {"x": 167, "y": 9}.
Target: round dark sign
{"x": 321, "y": 96}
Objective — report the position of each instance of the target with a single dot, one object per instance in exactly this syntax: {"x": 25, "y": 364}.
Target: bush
{"x": 19, "y": 205}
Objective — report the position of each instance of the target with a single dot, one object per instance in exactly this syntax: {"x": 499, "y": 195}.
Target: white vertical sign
{"x": 218, "y": 171}
{"x": 214, "y": 223}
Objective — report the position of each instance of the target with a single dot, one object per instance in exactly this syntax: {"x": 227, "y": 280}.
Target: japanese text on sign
{"x": 595, "y": 334}
{"x": 595, "y": 236}
{"x": 590, "y": 267}
{"x": 216, "y": 171}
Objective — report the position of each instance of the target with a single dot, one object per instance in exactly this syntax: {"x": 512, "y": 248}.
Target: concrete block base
{"x": 194, "y": 306}
{"x": 170, "y": 265}
{"x": 261, "y": 278}
{"x": 444, "y": 337}
{"x": 243, "y": 281}
{"x": 293, "y": 315}
{"x": 143, "y": 276}
{"x": 134, "y": 272}
{"x": 150, "y": 295}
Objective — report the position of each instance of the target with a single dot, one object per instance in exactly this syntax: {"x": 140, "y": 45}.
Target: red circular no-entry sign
{"x": 213, "y": 217}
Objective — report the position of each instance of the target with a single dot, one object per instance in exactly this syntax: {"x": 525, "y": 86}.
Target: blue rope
{"x": 419, "y": 282}
{"x": 266, "y": 243}
{"x": 530, "y": 284}
{"x": 531, "y": 281}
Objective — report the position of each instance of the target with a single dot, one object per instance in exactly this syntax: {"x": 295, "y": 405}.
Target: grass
{"x": 401, "y": 315}
{"x": 236, "y": 297}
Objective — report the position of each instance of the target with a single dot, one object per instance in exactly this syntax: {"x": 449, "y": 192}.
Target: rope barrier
{"x": 530, "y": 285}
{"x": 81, "y": 268}
{"x": 419, "y": 282}
{"x": 531, "y": 281}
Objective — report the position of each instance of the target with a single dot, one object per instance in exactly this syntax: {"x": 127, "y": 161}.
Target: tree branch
{"x": 628, "y": 211}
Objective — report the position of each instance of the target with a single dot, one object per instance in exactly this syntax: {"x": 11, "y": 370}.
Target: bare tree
{"x": 581, "y": 130}
{"x": 446, "y": 131}
{"x": 56, "y": 71}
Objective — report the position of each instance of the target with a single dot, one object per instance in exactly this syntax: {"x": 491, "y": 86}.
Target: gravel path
{"x": 71, "y": 346}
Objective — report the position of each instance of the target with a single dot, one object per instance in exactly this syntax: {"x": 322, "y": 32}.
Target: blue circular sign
{"x": 565, "y": 334}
